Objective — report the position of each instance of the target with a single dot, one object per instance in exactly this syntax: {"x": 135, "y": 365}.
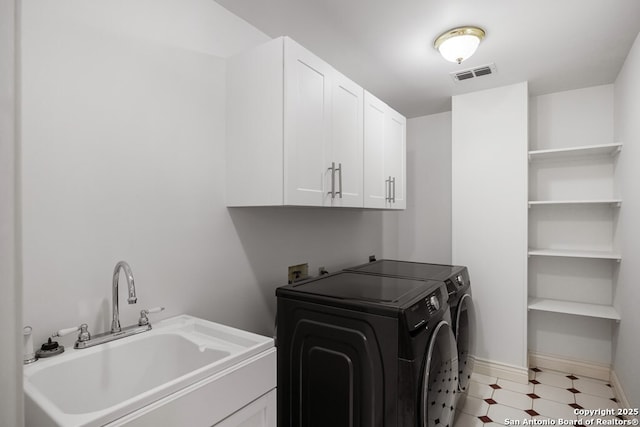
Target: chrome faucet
{"x": 86, "y": 339}
{"x": 115, "y": 320}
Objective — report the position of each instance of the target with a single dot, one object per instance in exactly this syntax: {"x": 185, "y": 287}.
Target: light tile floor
{"x": 549, "y": 395}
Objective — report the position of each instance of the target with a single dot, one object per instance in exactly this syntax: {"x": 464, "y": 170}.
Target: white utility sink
{"x": 107, "y": 384}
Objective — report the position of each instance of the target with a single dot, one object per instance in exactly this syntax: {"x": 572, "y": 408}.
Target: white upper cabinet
{"x": 295, "y": 132}
{"x": 384, "y": 155}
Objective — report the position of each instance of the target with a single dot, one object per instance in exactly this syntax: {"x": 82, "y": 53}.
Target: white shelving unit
{"x": 575, "y": 308}
{"x": 567, "y": 157}
{"x": 574, "y": 207}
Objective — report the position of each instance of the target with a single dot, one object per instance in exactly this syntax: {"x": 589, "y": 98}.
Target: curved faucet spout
{"x": 115, "y": 322}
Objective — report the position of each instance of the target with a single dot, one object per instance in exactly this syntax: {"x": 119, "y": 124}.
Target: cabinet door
{"x": 346, "y": 146}
{"x": 395, "y": 157}
{"x": 375, "y": 184}
{"x": 384, "y": 155}
{"x": 259, "y": 413}
{"x": 307, "y": 109}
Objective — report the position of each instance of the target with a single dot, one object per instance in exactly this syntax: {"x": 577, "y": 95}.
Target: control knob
{"x": 459, "y": 279}
{"x": 433, "y": 300}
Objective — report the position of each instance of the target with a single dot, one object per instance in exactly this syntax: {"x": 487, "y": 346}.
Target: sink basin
{"x": 95, "y": 386}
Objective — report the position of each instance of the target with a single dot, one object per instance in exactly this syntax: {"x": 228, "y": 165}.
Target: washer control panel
{"x": 457, "y": 281}
{"x": 418, "y": 315}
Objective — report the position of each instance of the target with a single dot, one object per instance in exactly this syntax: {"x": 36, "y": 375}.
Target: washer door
{"x": 465, "y": 340}
{"x": 440, "y": 379}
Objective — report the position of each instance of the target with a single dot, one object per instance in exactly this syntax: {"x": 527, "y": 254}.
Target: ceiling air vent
{"x": 464, "y": 75}
{"x": 471, "y": 73}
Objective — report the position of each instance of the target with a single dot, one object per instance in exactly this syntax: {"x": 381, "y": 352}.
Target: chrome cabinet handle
{"x": 340, "y": 179}
{"x": 387, "y": 190}
{"x": 394, "y": 190}
{"x": 333, "y": 180}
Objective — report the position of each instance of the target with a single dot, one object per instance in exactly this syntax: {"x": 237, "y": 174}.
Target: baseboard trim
{"x": 502, "y": 370}
{"x": 573, "y": 366}
{"x": 623, "y": 402}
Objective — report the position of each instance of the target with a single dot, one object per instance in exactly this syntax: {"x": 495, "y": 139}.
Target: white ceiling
{"x": 386, "y": 46}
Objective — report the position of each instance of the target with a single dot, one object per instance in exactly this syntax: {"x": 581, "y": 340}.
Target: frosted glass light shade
{"x": 459, "y": 44}
{"x": 459, "y": 48}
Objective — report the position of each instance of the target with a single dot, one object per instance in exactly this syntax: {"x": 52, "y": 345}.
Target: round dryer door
{"x": 440, "y": 379}
{"x": 465, "y": 340}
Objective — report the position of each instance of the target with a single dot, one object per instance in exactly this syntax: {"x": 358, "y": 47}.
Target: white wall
{"x": 627, "y": 295}
{"x": 124, "y": 148}
{"x": 489, "y": 217}
{"x": 561, "y": 120}
{"x": 11, "y": 402}
{"x": 423, "y": 231}
{"x": 571, "y": 118}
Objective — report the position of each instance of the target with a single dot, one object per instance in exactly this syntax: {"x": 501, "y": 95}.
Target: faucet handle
{"x": 66, "y": 331}
{"x": 144, "y": 320}
{"x": 84, "y": 334}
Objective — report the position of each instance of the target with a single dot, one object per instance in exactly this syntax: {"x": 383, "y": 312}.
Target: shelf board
{"x": 613, "y": 202}
{"x": 576, "y": 308}
{"x": 587, "y": 150}
{"x": 575, "y": 254}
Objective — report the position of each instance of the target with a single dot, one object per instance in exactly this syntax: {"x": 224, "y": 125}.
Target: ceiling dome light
{"x": 459, "y": 44}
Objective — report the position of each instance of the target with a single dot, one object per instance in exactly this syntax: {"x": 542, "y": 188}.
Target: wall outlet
{"x": 372, "y": 258}
{"x": 298, "y": 272}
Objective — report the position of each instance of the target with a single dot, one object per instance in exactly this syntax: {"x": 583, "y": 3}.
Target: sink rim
{"x": 181, "y": 325}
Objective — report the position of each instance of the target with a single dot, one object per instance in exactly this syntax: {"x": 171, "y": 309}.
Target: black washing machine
{"x": 461, "y": 305}
{"x": 358, "y": 350}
